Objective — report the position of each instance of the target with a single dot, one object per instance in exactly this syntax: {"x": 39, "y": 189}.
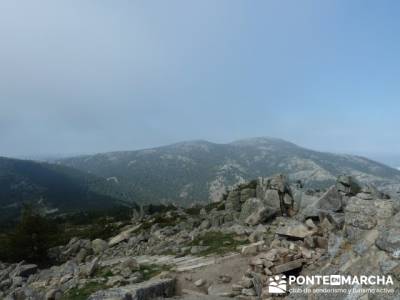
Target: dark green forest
{"x": 53, "y": 189}
{"x": 31, "y": 235}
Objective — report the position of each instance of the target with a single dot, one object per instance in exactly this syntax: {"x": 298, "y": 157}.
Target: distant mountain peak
{"x": 262, "y": 141}
{"x": 199, "y": 170}
{"x": 192, "y": 143}
{"x": 188, "y": 146}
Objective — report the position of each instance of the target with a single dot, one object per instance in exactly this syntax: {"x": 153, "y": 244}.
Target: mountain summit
{"x": 200, "y": 171}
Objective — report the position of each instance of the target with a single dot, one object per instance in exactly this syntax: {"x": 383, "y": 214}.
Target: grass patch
{"x": 195, "y": 210}
{"x": 163, "y": 221}
{"x": 151, "y": 270}
{"x": 104, "y": 272}
{"x": 148, "y": 271}
{"x": 218, "y": 205}
{"x": 218, "y": 242}
{"x": 100, "y": 230}
{"x": 84, "y": 292}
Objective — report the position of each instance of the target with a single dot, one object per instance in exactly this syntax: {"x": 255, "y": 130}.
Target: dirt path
{"x": 233, "y": 266}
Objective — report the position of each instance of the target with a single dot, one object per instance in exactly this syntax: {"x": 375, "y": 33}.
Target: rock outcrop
{"x": 261, "y": 199}
{"x": 277, "y": 227}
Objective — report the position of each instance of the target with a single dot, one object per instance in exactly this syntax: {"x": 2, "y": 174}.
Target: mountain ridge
{"x": 52, "y": 188}
{"x": 200, "y": 171}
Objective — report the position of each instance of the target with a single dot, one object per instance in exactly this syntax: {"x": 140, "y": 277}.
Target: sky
{"x": 95, "y": 76}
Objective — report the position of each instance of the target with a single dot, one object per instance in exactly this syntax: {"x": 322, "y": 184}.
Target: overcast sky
{"x": 94, "y": 76}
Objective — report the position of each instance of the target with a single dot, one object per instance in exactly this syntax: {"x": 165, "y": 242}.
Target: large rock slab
{"x": 279, "y": 183}
{"x": 389, "y": 237}
{"x": 370, "y": 192}
{"x": 99, "y": 245}
{"x": 348, "y": 185}
{"x": 289, "y": 266}
{"x": 24, "y": 270}
{"x": 246, "y": 194}
{"x": 271, "y": 198}
{"x": 123, "y": 236}
{"x": 222, "y": 290}
{"x": 233, "y": 200}
{"x": 275, "y": 190}
{"x": 295, "y": 230}
{"x": 369, "y": 238}
{"x": 330, "y": 201}
{"x": 261, "y": 215}
{"x": 362, "y": 215}
{"x": 251, "y": 206}
{"x": 142, "y": 291}
{"x": 335, "y": 218}
{"x": 252, "y": 249}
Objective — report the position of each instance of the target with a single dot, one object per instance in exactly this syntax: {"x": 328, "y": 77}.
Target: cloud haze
{"x": 94, "y": 76}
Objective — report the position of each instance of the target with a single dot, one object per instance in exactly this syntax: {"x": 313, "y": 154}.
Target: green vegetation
{"x": 218, "y": 242}
{"x": 163, "y": 174}
{"x": 34, "y": 234}
{"x": 30, "y": 240}
{"x": 104, "y": 272}
{"x": 101, "y": 224}
{"x": 151, "y": 209}
{"x": 53, "y": 188}
{"x": 150, "y": 270}
{"x": 101, "y": 229}
{"x": 195, "y": 210}
{"x": 162, "y": 220}
{"x": 84, "y": 292}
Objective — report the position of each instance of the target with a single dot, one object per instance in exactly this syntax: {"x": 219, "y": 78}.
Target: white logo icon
{"x": 335, "y": 280}
{"x": 277, "y": 285}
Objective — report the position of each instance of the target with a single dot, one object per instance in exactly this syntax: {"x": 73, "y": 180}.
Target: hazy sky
{"x": 94, "y": 76}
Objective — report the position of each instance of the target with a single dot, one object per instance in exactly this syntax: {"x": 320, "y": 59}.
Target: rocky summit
{"x": 237, "y": 247}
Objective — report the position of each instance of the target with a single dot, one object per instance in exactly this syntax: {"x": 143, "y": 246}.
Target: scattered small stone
{"x": 198, "y": 249}
{"x": 252, "y": 248}
{"x": 237, "y": 287}
{"x": 224, "y": 279}
{"x": 249, "y": 292}
{"x": 200, "y": 282}
{"x": 310, "y": 224}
